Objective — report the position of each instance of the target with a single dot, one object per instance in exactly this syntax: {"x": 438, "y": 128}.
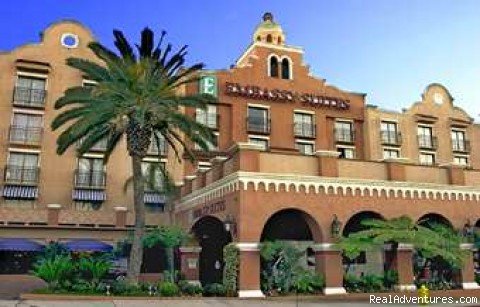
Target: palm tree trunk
{"x": 136, "y": 253}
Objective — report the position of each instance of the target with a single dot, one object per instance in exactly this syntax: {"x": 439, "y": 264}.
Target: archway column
{"x": 468, "y": 270}
{"x": 401, "y": 260}
{"x": 189, "y": 263}
{"x": 249, "y": 273}
{"x": 328, "y": 261}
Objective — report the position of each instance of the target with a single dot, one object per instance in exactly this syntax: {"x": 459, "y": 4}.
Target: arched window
{"x": 279, "y": 40}
{"x": 258, "y": 38}
{"x": 273, "y": 67}
{"x": 285, "y": 69}
{"x": 269, "y": 38}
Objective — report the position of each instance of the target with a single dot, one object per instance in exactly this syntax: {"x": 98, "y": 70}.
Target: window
{"x": 389, "y": 133}
{"x": 425, "y": 137}
{"x": 303, "y": 125}
{"x": 269, "y": 38}
{"x": 346, "y": 152}
{"x": 90, "y": 173}
{"x": 389, "y": 153}
{"x": 459, "y": 142}
{"x": 153, "y": 175}
{"x": 344, "y": 132}
{"x": 305, "y": 148}
{"x": 211, "y": 146}
{"x": 29, "y": 91}
{"x": 258, "y": 120}
{"x": 207, "y": 117}
{"x": 99, "y": 146}
{"x": 460, "y": 160}
{"x": 26, "y": 128}
{"x": 22, "y": 168}
{"x": 273, "y": 67}
{"x": 427, "y": 158}
{"x": 83, "y": 205}
{"x": 286, "y": 69}
{"x": 259, "y": 141}
{"x": 158, "y": 148}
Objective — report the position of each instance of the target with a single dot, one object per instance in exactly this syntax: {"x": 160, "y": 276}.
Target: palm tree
{"x": 137, "y": 96}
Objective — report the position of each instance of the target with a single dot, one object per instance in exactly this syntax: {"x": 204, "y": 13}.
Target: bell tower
{"x": 268, "y": 31}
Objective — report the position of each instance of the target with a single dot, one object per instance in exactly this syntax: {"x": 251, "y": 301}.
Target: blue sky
{"x": 388, "y": 49}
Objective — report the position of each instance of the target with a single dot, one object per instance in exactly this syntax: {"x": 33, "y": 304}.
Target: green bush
{"x": 167, "y": 288}
{"x": 122, "y": 287}
{"x": 365, "y": 283}
{"x": 188, "y": 288}
{"x": 214, "y": 290}
{"x": 306, "y": 281}
{"x": 58, "y": 271}
{"x": 230, "y": 272}
{"x": 93, "y": 269}
{"x": 390, "y": 279}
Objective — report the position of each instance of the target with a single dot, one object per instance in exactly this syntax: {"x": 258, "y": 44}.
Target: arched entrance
{"x": 368, "y": 262}
{"x": 297, "y": 231}
{"x": 212, "y": 237}
{"x": 435, "y": 271}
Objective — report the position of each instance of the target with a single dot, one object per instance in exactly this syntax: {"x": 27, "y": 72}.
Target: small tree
{"x": 436, "y": 240}
{"x": 169, "y": 237}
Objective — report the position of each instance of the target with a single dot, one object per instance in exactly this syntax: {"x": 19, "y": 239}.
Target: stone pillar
{"x": 327, "y": 163}
{"x": 456, "y": 175}
{"x": 396, "y": 169}
{"x": 120, "y": 217}
{"x": 468, "y": 270}
{"x": 249, "y": 156}
{"x": 328, "y": 260}
{"x": 249, "y": 274}
{"x": 53, "y": 214}
{"x": 401, "y": 261}
{"x": 189, "y": 263}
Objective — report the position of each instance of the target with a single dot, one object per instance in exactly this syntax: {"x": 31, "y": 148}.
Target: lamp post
{"x": 335, "y": 227}
{"x": 230, "y": 225}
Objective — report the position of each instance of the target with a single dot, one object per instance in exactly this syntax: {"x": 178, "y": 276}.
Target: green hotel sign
{"x": 208, "y": 85}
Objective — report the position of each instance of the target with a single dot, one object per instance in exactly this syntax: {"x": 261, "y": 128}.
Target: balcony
{"x": 427, "y": 142}
{"x": 29, "y": 97}
{"x": 304, "y": 130}
{"x": 210, "y": 120}
{"x": 461, "y": 146}
{"x": 90, "y": 179}
{"x": 258, "y": 125}
{"x": 21, "y": 175}
{"x": 391, "y": 138}
{"x": 25, "y": 135}
{"x": 346, "y": 136}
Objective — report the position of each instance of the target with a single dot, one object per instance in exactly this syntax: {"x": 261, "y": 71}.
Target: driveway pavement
{"x": 12, "y": 285}
{"x": 183, "y": 303}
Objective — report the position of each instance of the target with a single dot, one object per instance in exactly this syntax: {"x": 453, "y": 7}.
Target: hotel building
{"x": 295, "y": 159}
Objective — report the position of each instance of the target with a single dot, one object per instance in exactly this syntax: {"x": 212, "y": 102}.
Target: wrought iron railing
{"x": 90, "y": 179}
{"x": 304, "y": 130}
{"x": 16, "y": 174}
{"x": 25, "y": 135}
{"x": 345, "y": 136}
{"x": 30, "y": 97}
{"x": 391, "y": 138}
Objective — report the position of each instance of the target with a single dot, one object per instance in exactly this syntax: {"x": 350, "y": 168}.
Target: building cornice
{"x": 327, "y": 185}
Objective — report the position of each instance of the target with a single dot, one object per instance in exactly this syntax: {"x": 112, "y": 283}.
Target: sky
{"x": 389, "y": 49}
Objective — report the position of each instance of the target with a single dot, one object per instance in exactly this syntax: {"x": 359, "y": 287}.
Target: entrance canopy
{"x": 87, "y": 245}
{"x": 19, "y": 245}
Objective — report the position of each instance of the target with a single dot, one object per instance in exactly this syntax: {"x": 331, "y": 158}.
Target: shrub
{"x": 306, "y": 281}
{"x": 188, "y": 288}
{"x": 230, "y": 272}
{"x": 365, "y": 283}
{"x": 214, "y": 290}
{"x": 122, "y": 287}
{"x": 167, "y": 288}
{"x": 352, "y": 283}
{"x": 390, "y": 279}
{"x": 93, "y": 269}
{"x": 57, "y": 271}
